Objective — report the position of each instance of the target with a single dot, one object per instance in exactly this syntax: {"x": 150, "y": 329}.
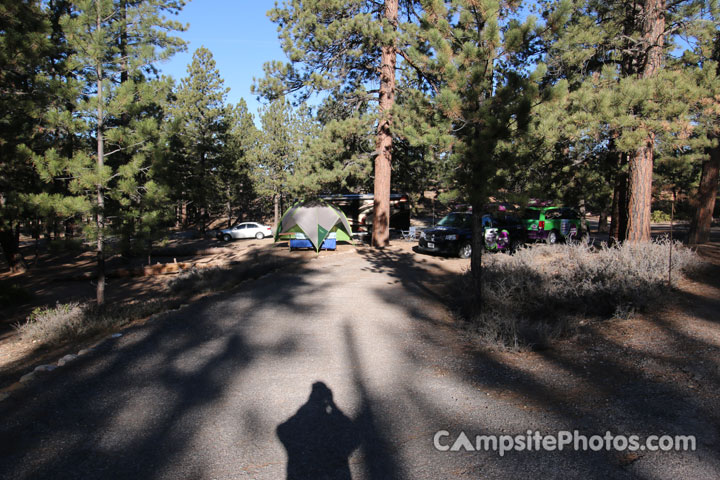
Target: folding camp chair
{"x": 409, "y": 235}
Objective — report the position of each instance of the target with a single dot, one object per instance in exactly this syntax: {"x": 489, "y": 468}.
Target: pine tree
{"x": 199, "y": 138}
{"x": 235, "y": 172}
{"x": 647, "y": 59}
{"x": 115, "y": 45}
{"x": 333, "y": 150}
{"x": 340, "y": 155}
{"x": 308, "y": 175}
{"x": 473, "y": 54}
{"x": 275, "y": 153}
{"x": 25, "y": 92}
{"x": 624, "y": 95}
{"x": 703, "y": 57}
{"x": 340, "y": 47}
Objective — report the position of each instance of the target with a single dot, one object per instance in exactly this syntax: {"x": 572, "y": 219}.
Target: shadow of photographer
{"x": 319, "y": 438}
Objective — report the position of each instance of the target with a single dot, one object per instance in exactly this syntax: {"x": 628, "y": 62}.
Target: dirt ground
{"x": 676, "y": 343}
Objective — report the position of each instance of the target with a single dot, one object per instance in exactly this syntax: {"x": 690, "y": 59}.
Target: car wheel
{"x": 552, "y": 237}
{"x": 465, "y": 250}
{"x": 259, "y": 236}
{"x": 227, "y": 237}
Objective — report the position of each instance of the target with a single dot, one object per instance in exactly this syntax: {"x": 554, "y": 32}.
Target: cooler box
{"x": 301, "y": 241}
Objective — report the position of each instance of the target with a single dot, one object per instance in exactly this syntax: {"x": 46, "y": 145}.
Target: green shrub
{"x": 658, "y": 216}
{"x": 66, "y": 245}
{"x": 539, "y": 293}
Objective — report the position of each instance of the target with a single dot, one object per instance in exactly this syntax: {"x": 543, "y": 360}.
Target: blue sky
{"x": 240, "y": 36}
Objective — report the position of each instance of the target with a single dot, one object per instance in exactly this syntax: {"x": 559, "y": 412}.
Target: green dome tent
{"x": 316, "y": 220}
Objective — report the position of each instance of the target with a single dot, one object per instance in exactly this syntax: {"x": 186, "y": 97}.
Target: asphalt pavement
{"x": 342, "y": 368}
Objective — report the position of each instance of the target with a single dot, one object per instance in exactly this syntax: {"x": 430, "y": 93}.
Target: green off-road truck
{"x": 552, "y": 224}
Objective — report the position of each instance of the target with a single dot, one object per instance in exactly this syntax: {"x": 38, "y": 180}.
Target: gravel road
{"x": 343, "y": 368}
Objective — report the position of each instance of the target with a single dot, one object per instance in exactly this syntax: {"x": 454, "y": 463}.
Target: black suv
{"x": 453, "y": 234}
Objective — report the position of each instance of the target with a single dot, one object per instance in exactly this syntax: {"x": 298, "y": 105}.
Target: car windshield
{"x": 458, "y": 220}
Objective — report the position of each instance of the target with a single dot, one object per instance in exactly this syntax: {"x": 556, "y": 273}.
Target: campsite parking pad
{"x": 221, "y": 389}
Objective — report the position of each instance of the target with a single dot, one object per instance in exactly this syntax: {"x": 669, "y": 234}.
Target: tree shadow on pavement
{"x": 379, "y": 461}
{"x": 128, "y": 298}
{"x": 134, "y": 406}
{"x": 600, "y": 380}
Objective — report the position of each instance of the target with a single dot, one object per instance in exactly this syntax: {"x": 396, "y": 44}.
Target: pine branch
{"x": 418, "y": 70}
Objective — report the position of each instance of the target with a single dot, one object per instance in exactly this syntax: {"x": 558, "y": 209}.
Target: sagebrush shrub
{"x": 52, "y": 325}
{"x": 203, "y": 280}
{"x": 534, "y": 295}
{"x": 72, "y": 321}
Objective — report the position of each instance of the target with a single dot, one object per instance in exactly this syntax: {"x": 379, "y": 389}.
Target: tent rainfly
{"x": 316, "y": 220}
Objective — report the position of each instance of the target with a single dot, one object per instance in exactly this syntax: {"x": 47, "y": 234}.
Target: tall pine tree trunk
{"x": 640, "y": 193}
{"x": 184, "y": 214}
{"x": 707, "y": 193}
{"x": 583, "y": 219}
{"x": 602, "y": 221}
{"x": 123, "y": 50}
{"x": 618, "y": 210}
{"x": 708, "y": 188}
{"x": 276, "y": 209}
{"x": 383, "y": 169}
{"x": 10, "y": 244}
{"x": 476, "y": 256}
{"x": 641, "y": 161}
{"x": 100, "y": 215}
{"x": 229, "y": 207}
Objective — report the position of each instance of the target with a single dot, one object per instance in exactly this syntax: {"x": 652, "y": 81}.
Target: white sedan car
{"x": 246, "y": 230}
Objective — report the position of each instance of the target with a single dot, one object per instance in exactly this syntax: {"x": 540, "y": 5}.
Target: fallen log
{"x": 190, "y": 252}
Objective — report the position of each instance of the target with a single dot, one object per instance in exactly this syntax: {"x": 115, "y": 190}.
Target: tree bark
{"x": 641, "y": 161}
{"x": 184, "y": 214}
{"x": 383, "y": 160}
{"x": 100, "y": 215}
{"x": 276, "y": 208}
{"x": 10, "y": 244}
{"x": 707, "y": 193}
{"x": 618, "y": 211}
{"x": 476, "y": 257}
{"x": 124, "y": 69}
{"x": 640, "y": 193}
{"x": 603, "y": 222}
{"x": 228, "y": 207}
{"x": 583, "y": 214}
